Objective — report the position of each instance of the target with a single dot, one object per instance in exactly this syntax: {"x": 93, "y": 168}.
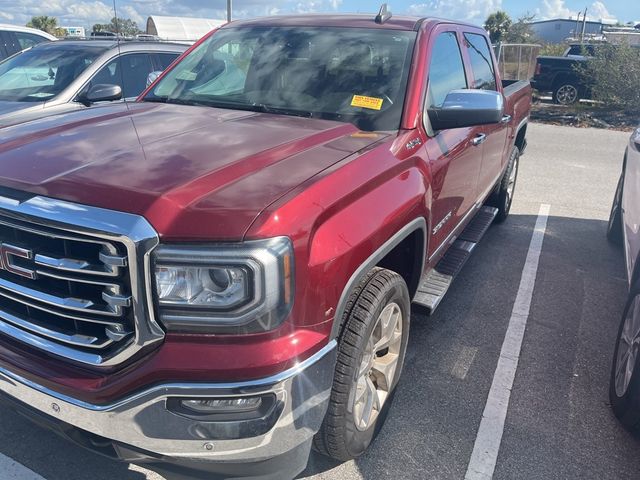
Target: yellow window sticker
{"x": 372, "y": 103}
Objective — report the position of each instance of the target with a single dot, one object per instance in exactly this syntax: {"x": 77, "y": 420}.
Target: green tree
{"x": 612, "y": 75}
{"x": 44, "y": 23}
{"x": 521, "y": 31}
{"x": 497, "y": 24}
{"x": 122, "y": 26}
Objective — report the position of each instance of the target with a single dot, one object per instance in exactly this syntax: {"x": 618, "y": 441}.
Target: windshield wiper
{"x": 281, "y": 110}
{"x": 255, "y": 107}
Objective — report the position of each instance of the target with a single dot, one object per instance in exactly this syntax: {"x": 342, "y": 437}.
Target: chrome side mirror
{"x": 467, "y": 108}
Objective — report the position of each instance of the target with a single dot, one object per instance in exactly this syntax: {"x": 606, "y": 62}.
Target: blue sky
{"x": 88, "y": 12}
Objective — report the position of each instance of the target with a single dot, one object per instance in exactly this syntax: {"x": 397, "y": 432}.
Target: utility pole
{"x": 229, "y": 10}
{"x": 584, "y": 25}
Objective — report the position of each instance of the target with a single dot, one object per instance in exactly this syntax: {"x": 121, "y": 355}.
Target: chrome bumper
{"x": 144, "y": 422}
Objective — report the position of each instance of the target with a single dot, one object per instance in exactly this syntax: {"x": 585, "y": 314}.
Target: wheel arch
{"x": 412, "y": 236}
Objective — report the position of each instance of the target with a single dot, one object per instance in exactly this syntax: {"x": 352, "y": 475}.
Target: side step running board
{"x": 436, "y": 283}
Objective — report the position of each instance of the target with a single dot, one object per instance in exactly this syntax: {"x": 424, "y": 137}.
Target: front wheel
{"x": 624, "y": 386}
{"x": 371, "y": 353}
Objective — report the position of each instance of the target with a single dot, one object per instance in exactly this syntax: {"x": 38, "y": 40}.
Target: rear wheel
{"x": 503, "y": 196}
{"x": 624, "y": 386}
{"x": 614, "y": 227}
{"x": 371, "y": 354}
{"x": 566, "y": 93}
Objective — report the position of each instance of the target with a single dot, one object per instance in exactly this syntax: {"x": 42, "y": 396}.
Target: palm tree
{"x": 497, "y": 25}
{"x": 44, "y": 23}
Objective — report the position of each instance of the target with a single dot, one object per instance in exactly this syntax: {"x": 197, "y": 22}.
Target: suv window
{"x": 28, "y": 40}
{"x": 166, "y": 59}
{"x": 129, "y": 71}
{"x": 481, "y": 61}
{"x": 446, "y": 71}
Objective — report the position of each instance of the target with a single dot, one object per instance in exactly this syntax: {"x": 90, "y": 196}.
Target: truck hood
{"x": 195, "y": 173}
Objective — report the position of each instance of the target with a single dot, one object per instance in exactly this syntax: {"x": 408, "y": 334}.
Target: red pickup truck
{"x": 214, "y": 278}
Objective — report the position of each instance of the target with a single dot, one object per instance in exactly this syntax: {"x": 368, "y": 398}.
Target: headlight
{"x": 635, "y": 138}
{"x": 232, "y": 288}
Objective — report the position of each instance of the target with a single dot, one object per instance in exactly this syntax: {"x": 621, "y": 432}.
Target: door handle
{"x": 506, "y": 119}
{"x": 479, "y": 139}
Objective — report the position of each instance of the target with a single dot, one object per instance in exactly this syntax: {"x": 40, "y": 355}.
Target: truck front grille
{"x": 75, "y": 290}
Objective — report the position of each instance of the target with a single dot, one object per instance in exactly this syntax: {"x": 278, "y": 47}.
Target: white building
{"x": 181, "y": 29}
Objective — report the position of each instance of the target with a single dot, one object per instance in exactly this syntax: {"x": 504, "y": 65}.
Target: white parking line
{"x": 12, "y": 470}
{"x": 487, "y": 445}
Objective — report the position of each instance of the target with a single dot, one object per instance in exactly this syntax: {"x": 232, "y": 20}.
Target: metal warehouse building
{"x": 558, "y": 30}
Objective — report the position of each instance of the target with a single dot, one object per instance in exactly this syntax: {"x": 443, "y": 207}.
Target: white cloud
{"x": 558, "y": 9}
{"x": 475, "y": 11}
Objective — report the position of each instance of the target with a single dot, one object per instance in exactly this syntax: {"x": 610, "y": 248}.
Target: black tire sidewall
{"x": 614, "y": 225}
{"x": 626, "y": 407}
{"x": 501, "y": 199}
{"x": 357, "y": 441}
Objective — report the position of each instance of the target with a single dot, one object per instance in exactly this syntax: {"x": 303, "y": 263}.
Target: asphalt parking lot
{"x": 558, "y": 424}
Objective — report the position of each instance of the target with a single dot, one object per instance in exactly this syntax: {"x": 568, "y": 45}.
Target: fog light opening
{"x": 221, "y": 405}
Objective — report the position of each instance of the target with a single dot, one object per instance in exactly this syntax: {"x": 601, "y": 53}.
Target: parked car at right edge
{"x": 219, "y": 276}
{"x": 14, "y": 38}
{"x": 624, "y": 229}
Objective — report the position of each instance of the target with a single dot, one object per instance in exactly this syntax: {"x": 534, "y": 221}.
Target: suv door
{"x": 454, "y": 160}
{"x": 483, "y": 77}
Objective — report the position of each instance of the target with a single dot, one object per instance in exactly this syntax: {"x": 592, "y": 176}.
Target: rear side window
{"x": 481, "y": 61}
{"x": 446, "y": 71}
{"x": 28, "y": 40}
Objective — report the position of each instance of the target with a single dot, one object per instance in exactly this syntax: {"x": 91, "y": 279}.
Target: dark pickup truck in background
{"x": 216, "y": 277}
{"x": 559, "y": 76}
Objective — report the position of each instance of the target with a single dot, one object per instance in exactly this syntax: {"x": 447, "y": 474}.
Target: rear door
{"x": 454, "y": 160}
{"x": 482, "y": 76}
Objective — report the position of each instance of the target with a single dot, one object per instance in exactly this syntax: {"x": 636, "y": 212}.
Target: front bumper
{"x": 142, "y": 429}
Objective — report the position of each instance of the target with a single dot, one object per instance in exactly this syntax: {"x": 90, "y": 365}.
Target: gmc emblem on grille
{"x": 7, "y": 254}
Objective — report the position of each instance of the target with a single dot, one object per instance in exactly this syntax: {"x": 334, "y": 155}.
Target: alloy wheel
{"x": 378, "y": 367}
{"x": 567, "y": 94}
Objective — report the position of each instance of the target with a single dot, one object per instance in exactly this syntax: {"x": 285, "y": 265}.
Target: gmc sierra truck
{"x": 219, "y": 276}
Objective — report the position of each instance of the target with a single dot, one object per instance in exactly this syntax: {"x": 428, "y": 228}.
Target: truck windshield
{"x": 351, "y": 75}
{"x": 41, "y": 73}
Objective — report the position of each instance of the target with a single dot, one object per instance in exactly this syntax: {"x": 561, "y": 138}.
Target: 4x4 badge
{"x": 7, "y": 254}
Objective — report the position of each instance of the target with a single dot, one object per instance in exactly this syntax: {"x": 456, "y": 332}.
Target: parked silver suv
{"x": 61, "y": 76}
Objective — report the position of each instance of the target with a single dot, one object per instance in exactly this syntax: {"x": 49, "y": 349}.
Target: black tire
{"x": 614, "y": 226}
{"x": 502, "y": 198}
{"x": 566, "y": 93}
{"x": 625, "y": 402}
{"x": 339, "y": 437}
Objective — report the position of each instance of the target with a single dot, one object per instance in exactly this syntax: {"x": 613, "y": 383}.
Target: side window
{"x": 28, "y": 40}
{"x": 165, "y": 59}
{"x": 128, "y": 71}
{"x": 4, "y": 52}
{"x": 446, "y": 71}
{"x": 481, "y": 61}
